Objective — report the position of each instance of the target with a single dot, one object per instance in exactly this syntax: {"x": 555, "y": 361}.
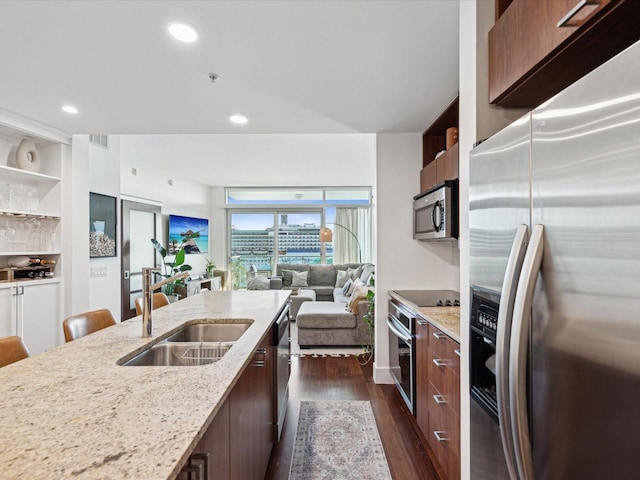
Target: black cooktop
{"x": 431, "y": 298}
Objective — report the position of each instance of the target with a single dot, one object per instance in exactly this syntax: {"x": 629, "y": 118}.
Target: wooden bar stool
{"x": 78, "y": 326}
{"x": 158, "y": 300}
{"x": 11, "y": 350}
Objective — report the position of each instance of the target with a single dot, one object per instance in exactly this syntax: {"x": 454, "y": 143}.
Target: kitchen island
{"x": 73, "y": 412}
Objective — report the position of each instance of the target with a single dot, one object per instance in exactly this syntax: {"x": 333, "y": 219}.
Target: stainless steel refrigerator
{"x": 555, "y": 273}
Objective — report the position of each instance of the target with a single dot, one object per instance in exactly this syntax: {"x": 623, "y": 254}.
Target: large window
{"x": 282, "y": 225}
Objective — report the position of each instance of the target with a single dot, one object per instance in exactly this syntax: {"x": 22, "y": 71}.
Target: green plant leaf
{"x": 159, "y": 248}
{"x": 179, "y": 260}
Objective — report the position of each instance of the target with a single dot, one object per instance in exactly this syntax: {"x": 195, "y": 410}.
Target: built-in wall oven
{"x": 401, "y": 323}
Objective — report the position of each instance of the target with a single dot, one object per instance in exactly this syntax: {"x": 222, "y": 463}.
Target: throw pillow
{"x": 287, "y": 277}
{"x": 354, "y": 273}
{"x": 359, "y": 294}
{"x": 299, "y": 279}
{"x": 342, "y": 278}
{"x": 354, "y": 284}
{"x": 346, "y": 287}
{"x": 258, "y": 283}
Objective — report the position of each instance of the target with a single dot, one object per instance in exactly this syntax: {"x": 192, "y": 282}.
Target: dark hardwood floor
{"x": 343, "y": 378}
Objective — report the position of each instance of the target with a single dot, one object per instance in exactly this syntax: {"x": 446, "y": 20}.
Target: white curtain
{"x": 345, "y": 247}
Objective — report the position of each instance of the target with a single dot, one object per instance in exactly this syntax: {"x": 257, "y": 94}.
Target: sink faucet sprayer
{"x": 147, "y": 288}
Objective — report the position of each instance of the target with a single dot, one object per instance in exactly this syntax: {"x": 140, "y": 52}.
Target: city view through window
{"x": 256, "y": 240}
{"x": 261, "y": 237}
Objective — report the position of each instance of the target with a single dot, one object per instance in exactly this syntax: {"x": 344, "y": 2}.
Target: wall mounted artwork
{"x": 102, "y": 225}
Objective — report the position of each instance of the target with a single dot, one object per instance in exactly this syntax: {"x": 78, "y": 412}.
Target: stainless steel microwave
{"x": 435, "y": 212}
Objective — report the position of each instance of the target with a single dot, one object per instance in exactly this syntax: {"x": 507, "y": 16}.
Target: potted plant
{"x": 209, "y": 268}
{"x": 170, "y": 268}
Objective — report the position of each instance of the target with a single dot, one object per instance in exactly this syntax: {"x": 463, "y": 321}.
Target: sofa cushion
{"x": 299, "y": 279}
{"x": 339, "y": 297}
{"x": 341, "y": 278}
{"x": 258, "y": 283}
{"x": 322, "y": 291}
{"x": 354, "y": 273}
{"x": 324, "y": 315}
{"x": 367, "y": 270}
{"x": 346, "y": 287}
{"x": 281, "y": 268}
{"x": 322, "y": 275}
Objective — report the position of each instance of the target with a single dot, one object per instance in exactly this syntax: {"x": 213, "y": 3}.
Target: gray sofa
{"x": 328, "y": 320}
{"x": 320, "y": 278}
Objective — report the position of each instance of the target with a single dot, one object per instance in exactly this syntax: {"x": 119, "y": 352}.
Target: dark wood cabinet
{"x": 445, "y": 167}
{"x": 537, "y": 48}
{"x": 238, "y": 442}
{"x": 438, "y": 395}
{"x": 215, "y": 445}
{"x": 251, "y": 417}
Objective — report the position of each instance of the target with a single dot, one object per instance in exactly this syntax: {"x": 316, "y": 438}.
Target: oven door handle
{"x": 397, "y": 332}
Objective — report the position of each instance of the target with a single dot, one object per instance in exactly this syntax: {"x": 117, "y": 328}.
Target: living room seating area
{"x": 329, "y": 301}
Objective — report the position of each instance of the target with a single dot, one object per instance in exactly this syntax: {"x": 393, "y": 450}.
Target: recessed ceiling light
{"x": 69, "y": 109}
{"x": 238, "y": 118}
{"x": 183, "y": 32}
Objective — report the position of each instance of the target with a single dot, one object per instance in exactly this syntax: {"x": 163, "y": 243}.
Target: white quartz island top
{"x": 72, "y": 412}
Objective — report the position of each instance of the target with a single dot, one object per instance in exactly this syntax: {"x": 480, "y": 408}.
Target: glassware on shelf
{"x": 7, "y": 234}
{"x": 31, "y": 200}
{"x": 16, "y": 195}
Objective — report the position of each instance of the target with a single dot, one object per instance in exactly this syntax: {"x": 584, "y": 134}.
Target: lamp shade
{"x": 326, "y": 235}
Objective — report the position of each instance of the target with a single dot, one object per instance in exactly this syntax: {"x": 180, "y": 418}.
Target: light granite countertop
{"x": 446, "y": 319}
{"x": 72, "y": 412}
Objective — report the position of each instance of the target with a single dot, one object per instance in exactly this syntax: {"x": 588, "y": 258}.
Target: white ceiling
{"x": 290, "y": 66}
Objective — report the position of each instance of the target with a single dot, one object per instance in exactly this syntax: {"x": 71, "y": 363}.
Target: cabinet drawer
{"x": 453, "y": 359}
{"x": 444, "y": 435}
{"x": 437, "y": 372}
{"x": 438, "y": 341}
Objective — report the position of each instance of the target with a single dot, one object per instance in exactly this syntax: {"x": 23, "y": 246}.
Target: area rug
{"x": 338, "y": 441}
{"x": 319, "y": 351}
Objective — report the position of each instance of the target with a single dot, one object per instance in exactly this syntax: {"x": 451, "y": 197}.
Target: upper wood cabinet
{"x": 537, "y": 48}
{"x": 434, "y": 140}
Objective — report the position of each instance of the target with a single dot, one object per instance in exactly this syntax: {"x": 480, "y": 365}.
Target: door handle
{"x": 518, "y": 353}
{"x": 503, "y": 335}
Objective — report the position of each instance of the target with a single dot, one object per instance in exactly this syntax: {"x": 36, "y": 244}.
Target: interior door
{"x": 140, "y": 223}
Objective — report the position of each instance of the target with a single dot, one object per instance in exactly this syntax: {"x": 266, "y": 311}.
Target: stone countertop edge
{"x": 446, "y": 319}
{"x": 73, "y": 412}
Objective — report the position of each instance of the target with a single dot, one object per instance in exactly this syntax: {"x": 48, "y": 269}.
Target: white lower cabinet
{"x": 31, "y": 310}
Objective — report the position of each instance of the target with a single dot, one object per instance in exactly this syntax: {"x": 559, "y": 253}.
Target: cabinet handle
{"x": 201, "y": 470}
{"x": 439, "y": 335}
{"x": 457, "y": 350}
{"x": 439, "y": 362}
{"x": 574, "y": 11}
{"x": 439, "y": 399}
{"x": 259, "y": 363}
{"x": 261, "y": 351}
{"x": 440, "y": 436}
{"x": 290, "y": 362}
{"x": 422, "y": 322}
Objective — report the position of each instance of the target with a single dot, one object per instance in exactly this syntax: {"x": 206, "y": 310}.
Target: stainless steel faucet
{"x": 147, "y": 288}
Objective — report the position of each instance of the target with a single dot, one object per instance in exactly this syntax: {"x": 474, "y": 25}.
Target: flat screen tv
{"x": 180, "y": 226}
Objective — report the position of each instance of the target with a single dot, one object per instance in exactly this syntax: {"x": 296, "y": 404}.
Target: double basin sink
{"x": 192, "y": 345}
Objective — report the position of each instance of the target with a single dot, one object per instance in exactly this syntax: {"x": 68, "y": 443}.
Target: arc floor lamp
{"x": 326, "y": 235}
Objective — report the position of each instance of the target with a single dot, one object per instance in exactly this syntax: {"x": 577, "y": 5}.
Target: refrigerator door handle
{"x": 518, "y": 353}
{"x": 505, "y": 312}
